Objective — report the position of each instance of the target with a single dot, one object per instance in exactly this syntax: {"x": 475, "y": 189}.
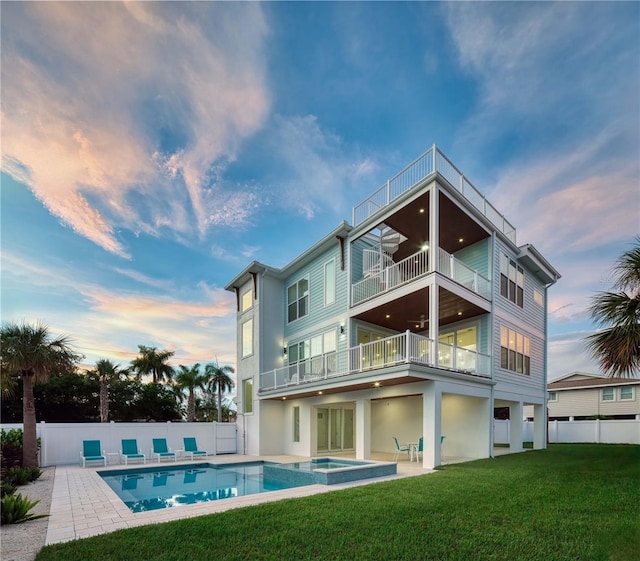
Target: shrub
{"x": 21, "y": 476}
{"x": 11, "y": 448}
{"x": 6, "y": 489}
{"x": 15, "y": 509}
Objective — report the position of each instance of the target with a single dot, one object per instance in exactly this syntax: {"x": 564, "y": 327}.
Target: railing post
{"x": 388, "y": 192}
{"x": 434, "y": 149}
{"x": 361, "y": 357}
{"x": 407, "y": 345}
{"x": 475, "y": 281}
{"x": 452, "y": 265}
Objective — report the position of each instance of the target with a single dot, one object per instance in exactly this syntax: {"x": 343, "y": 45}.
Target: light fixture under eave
{"x": 459, "y": 313}
{"x": 320, "y": 393}
{"x": 460, "y": 240}
{"x": 421, "y": 211}
{"x": 284, "y": 398}
{"x": 376, "y": 384}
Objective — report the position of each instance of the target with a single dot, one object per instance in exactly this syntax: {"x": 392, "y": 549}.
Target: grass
{"x": 569, "y": 502}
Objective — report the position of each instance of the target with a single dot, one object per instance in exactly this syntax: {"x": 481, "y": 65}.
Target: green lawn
{"x": 570, "y": 502}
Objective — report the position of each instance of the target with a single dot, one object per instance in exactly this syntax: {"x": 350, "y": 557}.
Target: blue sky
{"x": 150, "y": 151}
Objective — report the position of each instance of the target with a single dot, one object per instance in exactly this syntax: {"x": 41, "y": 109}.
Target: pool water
{"x": 153, "y": 488}
{"x": 144, "y": 489}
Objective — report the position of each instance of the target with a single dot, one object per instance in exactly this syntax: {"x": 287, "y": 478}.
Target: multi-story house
{"x": 578, "y": 396}
{"x": 416, "y": 320}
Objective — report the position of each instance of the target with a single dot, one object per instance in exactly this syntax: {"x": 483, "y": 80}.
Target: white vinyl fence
{"x": 61, "y": 443}
{"x": 598, "y": 431}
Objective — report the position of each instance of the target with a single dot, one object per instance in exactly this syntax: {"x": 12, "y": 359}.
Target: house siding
{"x": 587, "y": 402}
{"x": 476, "y": 257}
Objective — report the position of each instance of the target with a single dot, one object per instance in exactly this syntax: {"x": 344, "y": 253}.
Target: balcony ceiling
{"x": 413, "y": 306}
{"x": 454, "y": 226}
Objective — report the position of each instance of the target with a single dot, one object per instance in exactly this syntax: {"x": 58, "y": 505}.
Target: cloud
{"x": 115, "y": 115}
{"x": 198, "y": 322}
{"x": 318, "y": 170}
{"x": 567, "y": 353}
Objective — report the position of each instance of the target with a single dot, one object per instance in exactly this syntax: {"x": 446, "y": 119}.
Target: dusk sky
{"x": 150, "y": 151}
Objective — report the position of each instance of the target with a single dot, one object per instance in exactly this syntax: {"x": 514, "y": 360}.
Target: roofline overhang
{"x": 341, "y": 231}
{"x": 537, "y": 264}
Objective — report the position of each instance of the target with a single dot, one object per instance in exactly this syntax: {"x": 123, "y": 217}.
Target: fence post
{"x": 597, "y": 427}
{"x": 42, "y": 451}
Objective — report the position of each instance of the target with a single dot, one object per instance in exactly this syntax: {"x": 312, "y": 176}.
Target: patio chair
{"x": 419, "y": 449}
{"x": 91, "y": 452}
{"x": 191, "y": 448}
{"x": 160, "y": 449}
{"x": 130, "y": 451}
{"x": 399, "y": 449}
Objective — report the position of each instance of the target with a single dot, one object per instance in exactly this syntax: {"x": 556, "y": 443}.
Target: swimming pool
{"x": 153, "y": 488}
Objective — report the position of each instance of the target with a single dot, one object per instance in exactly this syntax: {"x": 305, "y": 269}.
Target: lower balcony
{"x": 408, "y": 348}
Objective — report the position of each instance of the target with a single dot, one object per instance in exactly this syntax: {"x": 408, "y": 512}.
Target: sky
{"x": 151, "y": 151}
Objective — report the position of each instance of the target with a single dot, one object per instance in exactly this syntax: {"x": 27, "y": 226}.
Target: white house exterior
{"x": 416, "y": 320}
{"x": 580, "y": 396}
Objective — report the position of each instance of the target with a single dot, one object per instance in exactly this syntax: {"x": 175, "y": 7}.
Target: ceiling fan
{"x": 421, "y": 323}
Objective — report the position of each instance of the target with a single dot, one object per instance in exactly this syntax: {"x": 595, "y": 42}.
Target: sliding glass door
{"x": 335, "y": 429}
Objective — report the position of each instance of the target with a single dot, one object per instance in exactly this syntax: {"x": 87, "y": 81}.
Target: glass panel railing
{"x": 432, "y": 160}
{"x": 405, "y": 347}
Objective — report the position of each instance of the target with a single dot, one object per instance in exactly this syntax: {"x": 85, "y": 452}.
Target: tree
{"x": 154, "y": 363}
{"x": 219, "y": 381}
{"x": 189, "y": 380}
{"x": 617, "y": 345}
{"x": 30, "y": 353}
{"x": 107, "y": 373}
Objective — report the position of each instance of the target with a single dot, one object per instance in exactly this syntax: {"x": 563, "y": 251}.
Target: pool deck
{"x": 83, "y": 505}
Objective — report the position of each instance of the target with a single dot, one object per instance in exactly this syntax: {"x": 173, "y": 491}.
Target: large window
{"x": 309, "y": 349}
{"x": 538, "y": 297}
{"x": 511, "y": 280}
{"x": 247, "y": 338}
{"x": 514, "y": 351}
{"x": 608, "y": 394}
{"x": 247, "y": 395}
{"x": 329, "y": 282}
{"x": 247, "y": 300}
{"x": 298, "y": 300}
{"x": 626, "y": 393}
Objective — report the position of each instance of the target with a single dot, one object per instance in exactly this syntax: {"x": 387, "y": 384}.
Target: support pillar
{"x": 363, "y": 429}
{"x": 539, "y": 427}
{"x": 432, "y": 426}
{"x": 515, "y": 427}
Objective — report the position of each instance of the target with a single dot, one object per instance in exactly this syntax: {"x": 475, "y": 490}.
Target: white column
{"x": 515, "y": 425}
{"x": 539, "y": 427}
{"x": 363, "y": 429}
{"x": 431, "y": 426}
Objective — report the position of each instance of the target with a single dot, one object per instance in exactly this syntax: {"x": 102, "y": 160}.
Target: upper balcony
{"x": 404, "y": 348}
{"x": 390, "y": 275}
{"x": 433, "y": 160}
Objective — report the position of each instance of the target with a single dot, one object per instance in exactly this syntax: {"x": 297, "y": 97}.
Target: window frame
{"x": 330, "y": 296}
{"x": 608, "y": 389}
{"x": 538, "y": 297}
{"x": 299, "y": 301}
{"x": 552, "y": 396}
{"x": 511, "y": 280}
{"x": 247, "y": 404}
{"x": 248, "y": 322}
{"x": 516, "y": 355}
{"x": 631, "y": 389}
{"x": 243, "y": 297}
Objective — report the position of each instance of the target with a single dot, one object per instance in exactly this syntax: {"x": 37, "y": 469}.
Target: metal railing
{"x": 402, "y": 348}
{"x": 431, "y": 161}
{"x": 414, "y": 267}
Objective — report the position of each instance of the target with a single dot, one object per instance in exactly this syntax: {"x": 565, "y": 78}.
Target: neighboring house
{"x": 415, "y": 321}
{"x": 579, "y": 396}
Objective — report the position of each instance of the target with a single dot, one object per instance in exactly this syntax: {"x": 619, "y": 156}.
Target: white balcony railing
{"x": 414, "y": 267}
{"x": 432, "y": 160}
{"x": 398, "y": 349}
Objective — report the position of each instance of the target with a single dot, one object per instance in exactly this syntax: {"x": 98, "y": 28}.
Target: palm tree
{"x": 107, "y": 373}
{"x": 190, "y": 379}
{"x": 617, "y": 345}
{"x": 29, "y": 352}
{"x": 154, "y": 363}
{"x": 219, "y": 381}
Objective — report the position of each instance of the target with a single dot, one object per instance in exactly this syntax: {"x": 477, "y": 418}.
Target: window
{"x": 329, "y": 282}
{"x": 626, "y": 392}
{"x": 607, "y": 394}
{"x": 511, "y": 280}
{"x": 538, "y": 297}
{"x": 247, "y": 338}
{"x": 515, "y": 351}
{"x": 298, "y": 300}
{"x": 247, "y": 300}
{"x": 553, "y": 396}
{"x": 296, "y": 424}
{"x": 322, "y": 345}
{"x": 247, "y": 395}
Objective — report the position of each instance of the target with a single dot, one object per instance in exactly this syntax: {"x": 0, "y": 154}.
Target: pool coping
{"x": 83, "y": 504}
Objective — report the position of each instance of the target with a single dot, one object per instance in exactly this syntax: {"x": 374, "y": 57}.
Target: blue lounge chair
{"x": 91, "y": 452}
{"x": 419, "y": 449}
{"x": 190, "y": 447}
{"x": 160, "y": 449}
{"x": 399, "y": 449}
{"x": 130, "y": 451}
